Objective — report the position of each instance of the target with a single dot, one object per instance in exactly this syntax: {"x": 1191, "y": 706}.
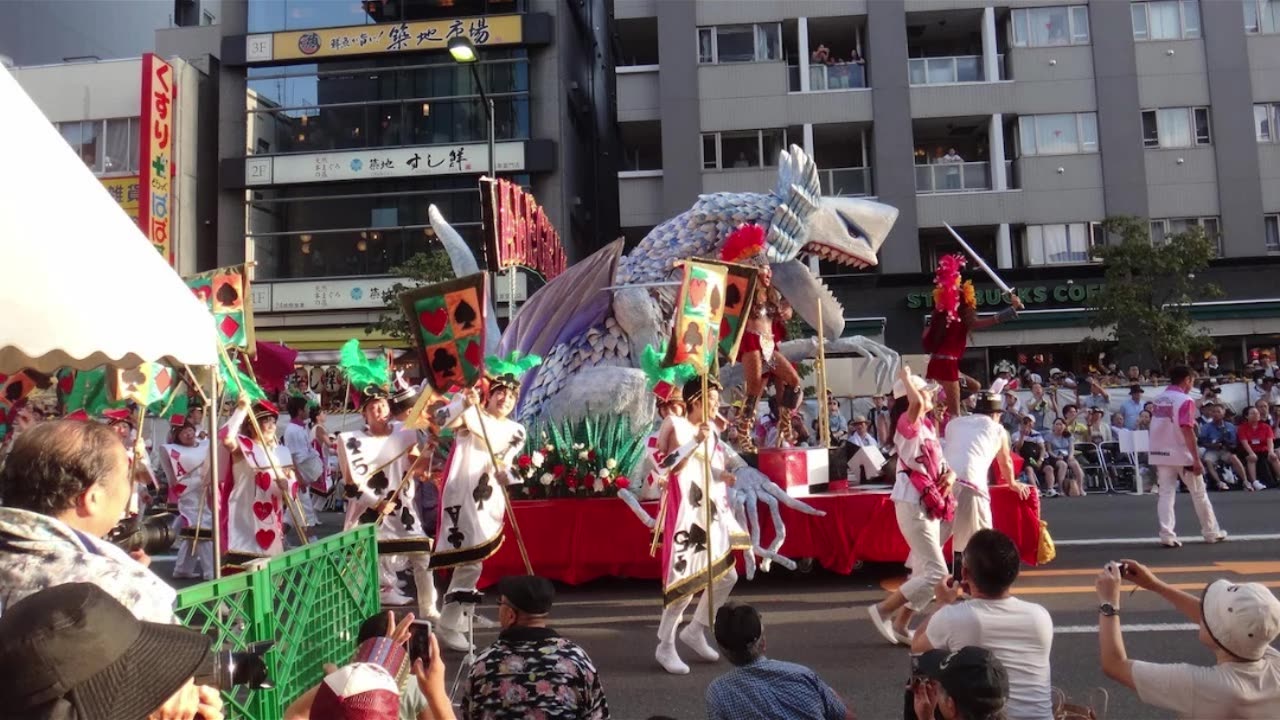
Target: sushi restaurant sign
{"x": 1069, "y": 294}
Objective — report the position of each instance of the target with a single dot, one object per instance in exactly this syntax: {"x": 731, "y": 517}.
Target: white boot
{"x": 453, "y": 639}
{"x": 483, "y": 622}
{"x": 669, "y": 659}
{"x": 425, "y": 580}
{"x": 695, "y": 638}
{"x": 392, "y": 596}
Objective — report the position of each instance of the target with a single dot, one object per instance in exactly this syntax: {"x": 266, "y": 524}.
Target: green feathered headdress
{"x": 371, "y": 377}
{"x": 506, "y": 372}
{"x": 665, "y": 382}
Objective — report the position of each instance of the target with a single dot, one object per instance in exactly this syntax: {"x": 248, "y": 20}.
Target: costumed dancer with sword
{"x": 376, "y": 463}
{"x": 473, "y": 500}
{"x": 955, "y": 315}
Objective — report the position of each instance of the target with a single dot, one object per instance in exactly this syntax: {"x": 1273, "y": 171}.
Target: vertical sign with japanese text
{"x": 517, "y": 231}
{"x": 155, "y": 163}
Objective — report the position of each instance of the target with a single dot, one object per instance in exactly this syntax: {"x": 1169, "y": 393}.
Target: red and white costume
{"x": 251, "y": 496}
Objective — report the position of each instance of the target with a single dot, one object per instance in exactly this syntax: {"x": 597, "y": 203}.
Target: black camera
{"x": 152, "y": 534}
{"x": 226, "y": 669}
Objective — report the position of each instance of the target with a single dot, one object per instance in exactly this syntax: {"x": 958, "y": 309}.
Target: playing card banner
{"x": 146, "y": 384}
{"x": 739, "y": 294}
{"x": 226, "y": 293}
{"x": 699, "y": 309}
{"x": 447, "y": 324}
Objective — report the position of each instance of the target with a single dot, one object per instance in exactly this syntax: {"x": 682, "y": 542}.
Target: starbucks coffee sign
{"x": 1065, "y": 295}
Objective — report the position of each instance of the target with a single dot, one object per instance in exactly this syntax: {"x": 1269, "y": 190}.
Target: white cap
{"x": 1243, "y": 619}
{"x": 919, "y": 383}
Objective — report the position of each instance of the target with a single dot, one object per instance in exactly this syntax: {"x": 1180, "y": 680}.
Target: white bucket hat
{"x": 919, "y": 383}
{"x": 1242, "y": 619}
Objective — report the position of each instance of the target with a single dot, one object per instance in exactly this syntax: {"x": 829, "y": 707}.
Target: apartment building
{"x": 1022, "y": 124}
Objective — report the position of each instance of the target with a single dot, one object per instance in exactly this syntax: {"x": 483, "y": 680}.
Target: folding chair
{"x": 1094, "y": 466}
{"x": 1122, "y": 469}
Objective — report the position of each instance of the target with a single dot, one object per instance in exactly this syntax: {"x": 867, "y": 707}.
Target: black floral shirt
{"x": 533, "y": 673}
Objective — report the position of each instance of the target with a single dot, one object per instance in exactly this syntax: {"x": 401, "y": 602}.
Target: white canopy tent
{"x": 82, "y": 286}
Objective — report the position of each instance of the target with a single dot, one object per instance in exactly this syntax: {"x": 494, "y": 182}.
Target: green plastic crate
{"x": 310, "y": 601}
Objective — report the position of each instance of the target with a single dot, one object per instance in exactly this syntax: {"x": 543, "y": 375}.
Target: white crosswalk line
{"x": 1152, "y": 540}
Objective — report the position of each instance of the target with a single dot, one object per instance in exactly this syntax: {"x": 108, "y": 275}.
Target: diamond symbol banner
{"x": 225, "y": 292}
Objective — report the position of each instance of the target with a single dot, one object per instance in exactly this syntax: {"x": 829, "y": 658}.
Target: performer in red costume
{"x": 955, "y": 315}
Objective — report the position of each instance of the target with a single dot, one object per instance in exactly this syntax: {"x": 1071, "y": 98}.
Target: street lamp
{"x": 463, "y": 52}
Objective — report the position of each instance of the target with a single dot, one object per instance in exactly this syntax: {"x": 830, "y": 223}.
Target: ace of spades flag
{"x": 700, "y": 306}
{"x": 447, "y": 323}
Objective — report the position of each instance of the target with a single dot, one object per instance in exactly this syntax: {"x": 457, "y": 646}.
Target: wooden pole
{"x": 211, "y": 416}
{"x": 707, "y": 501}
{"x": 511, "y": 511}
{"x": 824, "y": 416}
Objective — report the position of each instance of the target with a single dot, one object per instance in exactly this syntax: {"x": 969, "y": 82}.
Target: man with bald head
{"x": 63, "y": 487}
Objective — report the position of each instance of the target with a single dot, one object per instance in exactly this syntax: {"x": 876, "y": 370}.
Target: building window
{"x": 761, "y": 42}
{"x": 1067, "y": 244}
{"x": 1165, "y": 20}
{"x": 1175, "y": 127}
{"x": 1265, "y": 116}
{"x": 1261, "y": 16}
{"x": 1064, "y": 134}
{"x": 1162, "y": 229}
{"x": 742, "y": 149}
{"x": 1272, "y": 225}
{"x": 1051, "y": 26}
{"x": 108, "y": 147}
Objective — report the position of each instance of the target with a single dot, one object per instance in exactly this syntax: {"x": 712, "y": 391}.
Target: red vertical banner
{"x": 156, "y": 157}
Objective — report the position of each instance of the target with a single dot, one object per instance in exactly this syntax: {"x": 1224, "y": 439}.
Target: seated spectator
{"x": 1264, "y": 412}
{"x": 1220, "y": 442}
{"x": 1066, "y": 469}
{"x": 74, "y": 651}
{"x": 65, "y": 486}
{"x": 859, "y": 435}
{"x": 1237, "y": 622}
{"x": 1257, "y": 441}
{"x": 1144, "y": 421}
{"x": 531, "y": 670}
{"x": 761, "y": 688}
{"x": 836, "y": 420}
{"x": 1117, "y": 423}
{"x": 968, "y": 684}
{"x": 1070, "y": 417}
{"x": 1011, "y": 418}
{"x": 1019, "y": 633}
{"x": 1030, "y": 445}
{"x": 1099, "y": 431}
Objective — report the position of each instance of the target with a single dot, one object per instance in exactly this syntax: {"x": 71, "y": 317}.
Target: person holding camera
{"x": 1238, "y": 623}
{"x": 64, "y": 487}
{"x": 73, "y": 651}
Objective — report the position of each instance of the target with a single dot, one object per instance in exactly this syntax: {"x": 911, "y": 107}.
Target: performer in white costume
{"x": 648, "y": 476}
{"x": 686, "y": 538}
{"x": 253, "y": 491}
{"x": 971, "y": 444}
{"x": 186, "y": 463}
{"x": 375, "y": 463}
{"x": 472, "y": 506}
{"x": 297, "y": 437}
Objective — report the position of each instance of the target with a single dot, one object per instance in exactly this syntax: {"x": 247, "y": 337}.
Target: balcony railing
{"x": 953, "y": 177}
{"x": 846, "y": 182}
{"x": 948, "y": 70}
{"x": 848, "y": 76}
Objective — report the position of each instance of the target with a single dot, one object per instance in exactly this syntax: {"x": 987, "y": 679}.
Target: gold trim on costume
{"x": 466, "y": 556}
{"x": 697, "y": 581}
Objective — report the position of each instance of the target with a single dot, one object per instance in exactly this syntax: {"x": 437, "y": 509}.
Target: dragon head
{"x": 847, "y": 231}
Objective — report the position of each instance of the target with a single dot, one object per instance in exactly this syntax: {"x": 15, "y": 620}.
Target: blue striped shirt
{"x": 772, "y": 690}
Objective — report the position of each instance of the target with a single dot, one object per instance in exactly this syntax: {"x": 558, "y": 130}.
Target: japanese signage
{"x": 383, "y": 38}
{"x": 1071, "y": 294}
{"x": 352, "y": 294}
{"x": 124, "y": 190}
{"x": 155, "y": 182}
{"x": 223, "y": 291}
{"x": 421, "y": 160}
{"x": 517, "y": 231}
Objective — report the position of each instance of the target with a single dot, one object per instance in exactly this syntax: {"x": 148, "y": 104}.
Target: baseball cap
{"x": 359, "y": 691}
{"x": 1242, "y": 619}
{"x": 972, "y": 676}
{"x": 75, "y": 645}
{"x": 528, "y": 593}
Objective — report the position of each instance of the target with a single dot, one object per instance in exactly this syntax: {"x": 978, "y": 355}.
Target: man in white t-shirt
{"x": 1237, "y": 622}
{"x": 971, "y": 444}
{"x": 1175, "y": 456}
{"x": 1018, "y": 633}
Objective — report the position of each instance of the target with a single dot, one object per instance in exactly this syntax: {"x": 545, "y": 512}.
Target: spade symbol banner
{"x": 700, "y": 307}
{"x": 146, "y": 384}
{"x": 446, "y": 321}
{"x": 739, "y": 296}
{"x": 225, "y": 292}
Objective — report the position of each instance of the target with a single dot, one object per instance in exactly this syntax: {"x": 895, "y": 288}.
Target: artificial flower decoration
{"x": 946, "y": 286}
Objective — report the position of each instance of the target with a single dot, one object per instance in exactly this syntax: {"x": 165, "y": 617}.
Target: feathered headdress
{"x": 948, "y": 292}
{"x": 665, "y": 382}
{"x": 745, "y": 245}
{"x": 370, "y": 377}
{"x": 506, "y": 372}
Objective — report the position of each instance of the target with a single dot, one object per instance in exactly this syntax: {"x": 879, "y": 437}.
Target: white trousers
{"x": 923, "y": 535}
{"x": 1167, "y": 476}
{"x": 420, "y": 564}
{"x": 454, "y": 616}
{"x": 187, "y": 558}
{"x": 674, "y": 613}
{"x": 973, "y": 513}
{"x": 306, "y": 506}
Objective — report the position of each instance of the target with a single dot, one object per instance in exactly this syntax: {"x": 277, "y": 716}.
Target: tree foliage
{"x": 1144, "y": 304}
{"x": 423, "y": 268}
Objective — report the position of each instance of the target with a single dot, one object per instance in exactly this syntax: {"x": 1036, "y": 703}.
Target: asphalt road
{"x": 817, "y": 618}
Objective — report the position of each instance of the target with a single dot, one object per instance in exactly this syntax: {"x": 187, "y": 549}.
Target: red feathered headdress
{"x": 745, "y": 244}
{"x": 946, "y": 286}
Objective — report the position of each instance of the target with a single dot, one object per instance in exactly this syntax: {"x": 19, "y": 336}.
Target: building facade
{"x": 1021, "y": 123}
